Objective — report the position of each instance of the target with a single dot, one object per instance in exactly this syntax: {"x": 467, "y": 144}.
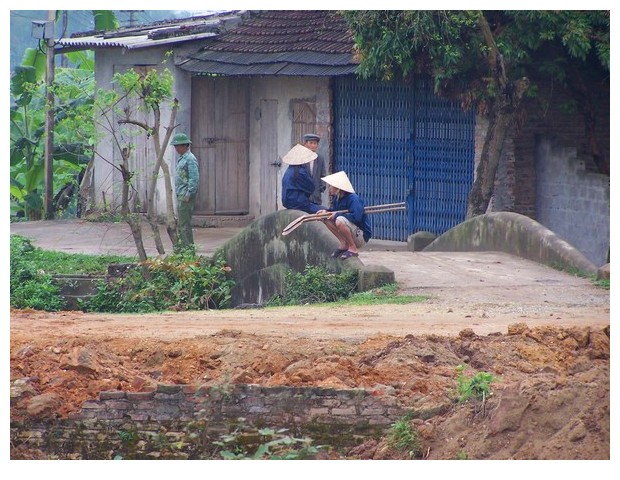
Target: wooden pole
{"x": 49, "y": 121}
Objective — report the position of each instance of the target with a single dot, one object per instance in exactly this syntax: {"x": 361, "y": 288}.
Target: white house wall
{"x": 107, "y": 179}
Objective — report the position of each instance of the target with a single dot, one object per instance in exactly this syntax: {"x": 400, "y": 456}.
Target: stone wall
{"x": 181, "y": 421}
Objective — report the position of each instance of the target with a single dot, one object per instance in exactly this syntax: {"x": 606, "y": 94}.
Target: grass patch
{"x": 386, "y": 294}
{"x": 404, "y": 437}
{"x": 183, "y": 281}
{"x": 60, "y": 263}
{"x": 317, "y": 286}
{"x": 602, "y": 283}
{"x": 576, "y": 272}
{"x": 32, "y": 270}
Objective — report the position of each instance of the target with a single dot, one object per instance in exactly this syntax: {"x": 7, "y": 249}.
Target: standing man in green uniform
{"x": 186, "y": 185}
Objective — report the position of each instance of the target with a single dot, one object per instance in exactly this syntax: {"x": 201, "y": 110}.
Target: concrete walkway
{"x": 471, "y": 277}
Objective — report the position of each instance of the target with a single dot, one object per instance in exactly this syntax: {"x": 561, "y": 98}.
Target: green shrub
{"x": 404, "y": 437}
{"x": 315, "y": 285}
{"x": 181, "y": 281}
{"x": 462, "y": 455}
{"x": 265, "y": 444}
{"x": 477, "y": 387}
{"x": 30, "y": 286}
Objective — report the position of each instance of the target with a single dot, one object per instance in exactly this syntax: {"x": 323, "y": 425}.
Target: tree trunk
{"x": 502, "y": 116}
{"x": 126, "y": 175}
{"x": 160, "y": 149}
{"x": 136, "y": 231}
{"x": 83, "y": 192}
{"x": 484, "y": 183}
{"x": 150, "y": 209}
{"x": 156, "y": 234}
{"x": 171, "y": 219}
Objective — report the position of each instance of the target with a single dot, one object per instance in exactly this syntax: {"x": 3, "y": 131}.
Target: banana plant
{"x": 73, "y": 123}
{"x": 73, "y": 128}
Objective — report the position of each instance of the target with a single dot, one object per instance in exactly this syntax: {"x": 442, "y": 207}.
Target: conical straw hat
{"x": 339, "y": 180}
{"x": 298, "y": 155}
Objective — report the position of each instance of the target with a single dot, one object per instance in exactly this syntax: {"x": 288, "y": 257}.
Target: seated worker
{"x": 352, "y": 229}
{"x": 297, "y": 182}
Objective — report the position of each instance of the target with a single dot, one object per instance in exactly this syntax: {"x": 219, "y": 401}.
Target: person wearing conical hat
{"x": 186, "y": 186}
{"x": 317, "y": 166}
{"x": 352, "y": 229}
{"x": 297, "y": 182}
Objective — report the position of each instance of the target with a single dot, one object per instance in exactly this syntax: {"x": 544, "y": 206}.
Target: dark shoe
{"x": 336, "y": 253}
{"x": 348, "y": 254}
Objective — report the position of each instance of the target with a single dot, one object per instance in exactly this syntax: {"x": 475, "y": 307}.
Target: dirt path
{"x": 315, "y": 322}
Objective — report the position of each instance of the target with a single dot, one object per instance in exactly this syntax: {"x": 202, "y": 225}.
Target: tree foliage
{"x": 489, "y": 60}
{"x": 450, "y": 46}
{"x": 73, "y": 90}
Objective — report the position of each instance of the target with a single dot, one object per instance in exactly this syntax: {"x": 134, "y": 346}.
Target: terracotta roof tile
{"x": 316, "y": 43}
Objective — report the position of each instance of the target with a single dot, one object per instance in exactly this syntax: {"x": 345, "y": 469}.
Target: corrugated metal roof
{"x": 160, "y": 33}
{"x": 278, "y": 42}
{"x": 139, "y": 41}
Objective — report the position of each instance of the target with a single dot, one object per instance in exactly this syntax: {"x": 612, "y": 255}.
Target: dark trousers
{"x": 184, "y": 229}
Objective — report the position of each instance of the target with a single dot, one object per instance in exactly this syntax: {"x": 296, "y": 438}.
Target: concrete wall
{"x": 515, "y": 234}
{"x": 573, "y": 202}
{"x": 260, "y": 256}
{"x": 107, "y": 180}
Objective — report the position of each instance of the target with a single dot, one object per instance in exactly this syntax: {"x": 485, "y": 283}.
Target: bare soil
{"x": 550, "y": 360}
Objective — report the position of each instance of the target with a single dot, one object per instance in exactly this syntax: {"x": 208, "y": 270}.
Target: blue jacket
{"x": 297, "y": 186}
{"x": 356, "y": 215}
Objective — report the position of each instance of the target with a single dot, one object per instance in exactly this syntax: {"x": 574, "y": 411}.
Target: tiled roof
{"x": 277, "y": 42}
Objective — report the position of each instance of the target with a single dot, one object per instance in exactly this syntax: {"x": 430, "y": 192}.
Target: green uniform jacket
{"x": 186, "y": 183}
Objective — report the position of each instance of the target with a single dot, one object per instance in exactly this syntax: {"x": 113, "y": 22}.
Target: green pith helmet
{"x": 180, "y": 139}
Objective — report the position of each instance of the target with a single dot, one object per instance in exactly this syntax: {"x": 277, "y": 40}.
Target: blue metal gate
{"x": 400, "y": 143}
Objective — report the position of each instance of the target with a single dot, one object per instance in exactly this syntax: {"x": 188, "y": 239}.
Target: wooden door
{"x": 220, "y": 126}
{"x": 304, "y": 120}
{"x": 270, "y": 162}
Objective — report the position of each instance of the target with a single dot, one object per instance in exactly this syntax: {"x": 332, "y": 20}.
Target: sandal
{"x": 336, "y": 253}
{"x": 348, "y": 254}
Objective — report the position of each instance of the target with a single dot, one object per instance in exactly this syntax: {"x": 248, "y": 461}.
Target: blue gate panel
{"x": 403, "y": 143}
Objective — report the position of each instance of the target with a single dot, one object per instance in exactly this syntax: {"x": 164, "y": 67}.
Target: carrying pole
{"x": 388, "y": 207}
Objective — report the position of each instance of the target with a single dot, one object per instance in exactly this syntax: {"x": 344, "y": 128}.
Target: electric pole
{"x": 49, "y": 119}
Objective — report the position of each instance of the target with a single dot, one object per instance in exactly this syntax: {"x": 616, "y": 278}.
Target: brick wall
{"x": 180, "y": 421}
{"x": 571, "y": 199}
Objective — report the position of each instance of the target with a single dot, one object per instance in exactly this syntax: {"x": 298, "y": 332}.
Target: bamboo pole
{"x": 388, "y": 207}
